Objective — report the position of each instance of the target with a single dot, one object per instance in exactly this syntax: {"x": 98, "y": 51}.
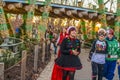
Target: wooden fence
{"x": 31, "y": 64}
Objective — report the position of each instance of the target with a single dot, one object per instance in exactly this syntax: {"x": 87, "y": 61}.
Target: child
{"x": 97, "y": 55}
{"x": 112, "y": 56}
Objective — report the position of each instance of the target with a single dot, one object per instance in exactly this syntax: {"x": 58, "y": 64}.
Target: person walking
{"x": 97, "y": 55}
{"x": 112, "y": 56}
{"x": 69, "y": 61}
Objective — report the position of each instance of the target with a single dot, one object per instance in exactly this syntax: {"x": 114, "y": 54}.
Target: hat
{"x": 101, "y": 32}
{"x": 110, "y": 31}
{"x": 71, "y": 28}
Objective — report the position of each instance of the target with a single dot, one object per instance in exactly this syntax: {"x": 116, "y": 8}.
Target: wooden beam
{"x": 95, "y": 14}
{"x": 57, "y": 11}
{"x": 62, "y": 10}
{"x": 41, "y": 9}
{"x": 18, "y": 5}
{"x": 27, "y": 8}
{"x": 84, "y": 13}
{"x": 36, "y": 7}
{"x": 47, "y": 8}
{"x": 4, "y": 4}
{"x": 92, "y": 15}
{"x": 69, "y": 13}
{"x": 99, "y": 16}
{"x": 11, "y": 6}
{"x": 80, "y": 14}
{"x": 74, "y": 13}
{"x": 108, "y": 18}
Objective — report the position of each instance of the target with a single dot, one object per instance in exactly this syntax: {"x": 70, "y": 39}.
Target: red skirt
{"x": 57, "y": 73}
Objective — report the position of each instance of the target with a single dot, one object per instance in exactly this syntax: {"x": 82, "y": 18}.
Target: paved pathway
{"x": 46, "y": 73}
{"x": 83, "y": 74}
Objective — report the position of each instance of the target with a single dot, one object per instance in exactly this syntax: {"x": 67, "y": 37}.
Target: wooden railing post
{"x": 1, "y": 71}
{"x": 36, "y": 58}
{"x": 23, "y": 65}
{"x": 43, "y": 52}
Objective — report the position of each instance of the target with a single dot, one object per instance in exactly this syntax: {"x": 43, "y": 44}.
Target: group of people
{"x": 104, "y": 55}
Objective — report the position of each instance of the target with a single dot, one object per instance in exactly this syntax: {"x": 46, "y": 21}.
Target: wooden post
{"x": 23, "y": 65}
{"x": 1, "y": 71}
{"x": 36, "y": 58}
{"x": 43, "y": 53}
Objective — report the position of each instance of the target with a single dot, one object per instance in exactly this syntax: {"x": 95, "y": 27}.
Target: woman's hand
{"x": 75, "y": 52}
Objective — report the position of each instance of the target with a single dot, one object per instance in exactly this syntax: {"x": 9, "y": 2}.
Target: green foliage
{"x": 9, "y": 58}
{"x": 100, "y": 2}
{"x": 45, "y": 15}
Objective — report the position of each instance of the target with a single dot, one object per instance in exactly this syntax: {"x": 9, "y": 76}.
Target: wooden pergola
{"x": 56, "y": 10}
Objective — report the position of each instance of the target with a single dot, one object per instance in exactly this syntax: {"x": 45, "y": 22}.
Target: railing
{"x": 31, "y": 62}
{"x": 11, "y": 43}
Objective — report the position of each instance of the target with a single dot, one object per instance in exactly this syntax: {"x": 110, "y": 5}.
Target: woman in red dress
{"x": 68, "y": 61}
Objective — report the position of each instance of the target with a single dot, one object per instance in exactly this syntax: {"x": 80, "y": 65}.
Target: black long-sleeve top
{"x": 68, "y": 45}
